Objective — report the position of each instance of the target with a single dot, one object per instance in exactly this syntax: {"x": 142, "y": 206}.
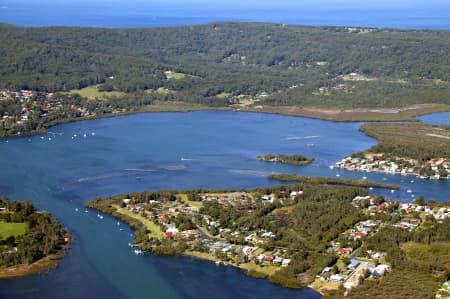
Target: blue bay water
{"x": 442, "y": 118}
{"x": 165, "y": 151}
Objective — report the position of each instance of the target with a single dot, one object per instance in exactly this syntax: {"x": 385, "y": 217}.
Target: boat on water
{"x": 364, "y": 178}
{"x": 409, "y": 191}
{"x": 331, "y": 167}
{"x": 370, "y": 188}
{"x": 338, "y": 175}
{"x": 310, "y": 144}
{"x": 138, "y": 251}
{"x": 392, "y": 191}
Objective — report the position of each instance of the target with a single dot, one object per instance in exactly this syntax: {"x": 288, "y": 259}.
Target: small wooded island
{"x": 368, "y": 245}
{"x": 31, "y": 241}
{"x": 287, "y": 159}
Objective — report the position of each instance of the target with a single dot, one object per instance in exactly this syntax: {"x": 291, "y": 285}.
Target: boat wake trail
{"x": 301, "y": 137}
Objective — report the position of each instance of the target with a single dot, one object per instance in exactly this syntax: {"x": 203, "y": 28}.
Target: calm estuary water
{"x": 60, "y": 172}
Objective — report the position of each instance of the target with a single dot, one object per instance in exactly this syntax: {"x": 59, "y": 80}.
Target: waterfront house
{"x": 285, "y": 262}
{"x": 336, "y": 278}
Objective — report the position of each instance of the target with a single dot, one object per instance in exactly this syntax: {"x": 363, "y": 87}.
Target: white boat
{"x": 338, "y": 175}
{"x": 364, "y": 178}
{"x": 137, "y": 251}
{"x": 84, "y": 135}
{"x": 93, "y": 133}
{"x": 409, "y": 191}
{"x": 331, "y": 167}
{"x": 392, "y": 191}
{"x": 76, "y": 209}
{"x": 370, "y": 188}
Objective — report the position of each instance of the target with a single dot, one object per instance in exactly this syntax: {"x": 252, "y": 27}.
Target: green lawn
{"x": 267, "y": 269}
{"x": 92, "y": 92}
{"x": 12, "y": 229}
{"x": 174, "y": 75}
{"x": 155, "y": 230}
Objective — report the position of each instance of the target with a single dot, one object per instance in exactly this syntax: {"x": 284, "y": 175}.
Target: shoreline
{"x": 43, "y": 265}
{"x": 135, "y": 222}
{"x": 393, "y": 173}
{"x": 249, "y": 267}
{"x": 334, "y": 115}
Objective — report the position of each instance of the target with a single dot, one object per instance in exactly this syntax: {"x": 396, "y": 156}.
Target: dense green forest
{"x": 413, "y": 140}
{"x": 39, "y": 236}
{"x": 288, "y": 159}
{"x": 285, "y": 177}
{"x": 216, "y": 63}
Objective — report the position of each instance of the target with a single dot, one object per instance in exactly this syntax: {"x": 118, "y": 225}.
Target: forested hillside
{"x": 221, "y": 63}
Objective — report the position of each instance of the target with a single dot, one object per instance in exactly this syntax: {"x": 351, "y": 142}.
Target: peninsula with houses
{"x": 404, "y": 148}
{"x": 366, "y": 244}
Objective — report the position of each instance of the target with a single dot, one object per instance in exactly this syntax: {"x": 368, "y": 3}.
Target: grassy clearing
{"x": 174, "y": 75}
{"x": 163, "y": 91}
{"x": 324, "y": 285}
{"x": 223, "y": 95}
{"x": 155, "y": 230}
{"x": 196, "y": 204}
{"x": 12, "y": 229}
{"x": 269, "y": 269}
{"x": 92, "y": 92}
{"x": 201, "y": 255}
